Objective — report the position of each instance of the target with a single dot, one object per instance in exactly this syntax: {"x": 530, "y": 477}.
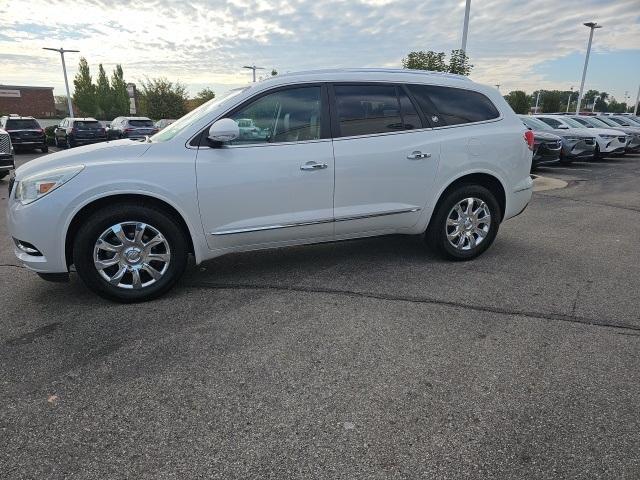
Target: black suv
{"x": 131, "y": 127}
{"x": 25, "y": 132}
{"x": 78, "y": 131}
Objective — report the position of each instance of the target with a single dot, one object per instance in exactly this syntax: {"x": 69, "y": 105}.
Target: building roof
{"x": 25, "y": 87}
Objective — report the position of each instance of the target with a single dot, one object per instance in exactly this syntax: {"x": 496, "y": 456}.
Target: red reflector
{"x": 528, "y": 137}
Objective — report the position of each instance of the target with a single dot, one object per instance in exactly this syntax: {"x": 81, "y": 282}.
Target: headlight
{"x": 32, "y": 188}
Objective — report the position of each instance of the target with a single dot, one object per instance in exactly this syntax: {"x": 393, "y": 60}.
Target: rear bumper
{"x": 6, "y": 162}
{"x": 518, "y": 200}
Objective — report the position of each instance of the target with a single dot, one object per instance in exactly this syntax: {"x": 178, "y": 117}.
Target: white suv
{"x": 339, "y": 154}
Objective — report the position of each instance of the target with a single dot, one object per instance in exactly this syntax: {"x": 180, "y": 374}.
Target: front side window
{"x": 291, "y": 115}
{"x": 454, "y": 106}
{"x": 367, "y": 109}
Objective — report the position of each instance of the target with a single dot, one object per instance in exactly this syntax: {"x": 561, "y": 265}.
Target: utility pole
{"x": 537, "y": 100}
{"x": 635, "y": 108}
{"x": 569, "y": 101}
{"x": 592, "y": 26}
{"x": 62, "y": 51}
{"x": 465, "y": 27}
{"x": 254, "y": 68}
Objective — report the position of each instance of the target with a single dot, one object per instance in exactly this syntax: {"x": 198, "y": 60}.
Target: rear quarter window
{"x": 453, "y": 106}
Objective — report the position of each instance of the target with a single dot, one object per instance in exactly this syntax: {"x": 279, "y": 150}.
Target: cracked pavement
{"x": 363, "y": 359}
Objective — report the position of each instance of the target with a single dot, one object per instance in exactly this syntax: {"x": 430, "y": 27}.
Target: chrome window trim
{"x": 315, "y": 222}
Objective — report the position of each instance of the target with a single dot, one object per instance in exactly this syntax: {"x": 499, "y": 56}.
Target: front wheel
{"x": 44, "y": 149}
{"x": 130, "y": 253}
{"x": 465, "y": 223}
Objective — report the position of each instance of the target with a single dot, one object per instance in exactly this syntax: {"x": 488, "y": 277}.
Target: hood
{"x": 116, "y": 151}
{"x": 544, "y": 135}
{"x": 575, "y": 133}
{"x": 603, "y": 131}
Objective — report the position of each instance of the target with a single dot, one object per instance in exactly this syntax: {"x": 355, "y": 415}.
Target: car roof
{"x": 82, "y": 119}
{"x": 19, "y": 117}
{"x": 136, "y": 118}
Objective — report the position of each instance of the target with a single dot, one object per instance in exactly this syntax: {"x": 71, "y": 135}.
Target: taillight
{"x": 528, "y": 137}
{"x": 127, "y": 130}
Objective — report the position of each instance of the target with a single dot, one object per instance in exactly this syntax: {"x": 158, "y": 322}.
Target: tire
{"x": 44, "y": 149}
{"x": 55, "y": 141}
{"x": 3, "y": 174}
{"x": 123, "y": 288}
{"x": 597, "y": 155}
{"x": 437, "y": 235}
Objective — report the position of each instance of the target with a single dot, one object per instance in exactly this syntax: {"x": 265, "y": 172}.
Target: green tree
{"x": 204, "y": 96}
{"x": 519, "y": 101}
{"x": 120, "y": 104}
{"x": 433, "y": 61}
{"x": 103, "y": 95}
{"x": 601, "y": 102}
{"x": 589, "y": 97}
{"x": 459, "y": 63}
{"x": 551, "y": 101}
{"x": 84, "y": 93}
{"x": 160, "y": 98}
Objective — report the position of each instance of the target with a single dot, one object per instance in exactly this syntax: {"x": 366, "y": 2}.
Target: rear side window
{"x": 552, "y": 122}
{"x": 367, "y": 109}
{"x": 453, "y": 106}
{"x": 86, "y": 125}
{"x": 22, "y": 124}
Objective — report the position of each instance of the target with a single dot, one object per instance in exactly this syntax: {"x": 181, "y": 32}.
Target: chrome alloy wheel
{"x": 468, "y": 223}
{"x": 131, "y": 255}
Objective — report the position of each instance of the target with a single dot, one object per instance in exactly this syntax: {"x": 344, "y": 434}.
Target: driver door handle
{"x": 417, "y": 155}
{"x": 313, "y": 166}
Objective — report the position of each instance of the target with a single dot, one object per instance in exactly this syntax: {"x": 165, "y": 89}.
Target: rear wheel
{"x": 130, "y": 253}
{"x": 465, "y": 223}
{"x": 44, "y": 149}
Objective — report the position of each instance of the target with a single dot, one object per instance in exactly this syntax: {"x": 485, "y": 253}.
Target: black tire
{"x": 44, "y": 149}
{"x": 70, "y": 142}
{"x": 3, "y": 174}
{"x": 100, "y": 221}
{"x": 436, "y": 235}
{"x": 597, "y": 155}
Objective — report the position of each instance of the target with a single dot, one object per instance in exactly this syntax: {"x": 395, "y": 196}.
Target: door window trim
{"x": 198, "y": 141}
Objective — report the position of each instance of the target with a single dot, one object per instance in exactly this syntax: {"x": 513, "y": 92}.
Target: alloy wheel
{"x": 468, "y": 223}
{"x": 131, "y": 255}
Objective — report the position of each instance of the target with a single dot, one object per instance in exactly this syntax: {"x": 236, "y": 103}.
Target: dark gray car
{"x": 131, "y": 127}
{"x": 576, "y": 145}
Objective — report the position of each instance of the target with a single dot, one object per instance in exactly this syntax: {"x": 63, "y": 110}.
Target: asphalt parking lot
{"x": 366, "y": 359}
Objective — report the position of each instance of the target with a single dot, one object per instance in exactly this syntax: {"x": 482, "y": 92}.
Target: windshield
{"x": 534, "y": 123}
{"x": 632, "y": 121}
{"x": 583, "y": 122}
{"x": 86, "y": 125}
{"x": 600, "y": 123}
{"x": 621, "y": 122}
{"x": 22, "y": 124}
{"x": 572, "y": 122}
{"x": 193, "y": 116}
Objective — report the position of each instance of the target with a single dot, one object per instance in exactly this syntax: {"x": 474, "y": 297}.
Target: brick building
{"x": 28, "y": 101}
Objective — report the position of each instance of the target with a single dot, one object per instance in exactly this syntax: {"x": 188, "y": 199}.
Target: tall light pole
{"x": 635, "y": 108}
{"x": 254, "y": 68}
{"x": 569, "y": 101}
{"x": 592, "y": 26}
{"x": 62, "y": 51}
{"x": 537, "y": 100}
{"x": 465, "y": 27}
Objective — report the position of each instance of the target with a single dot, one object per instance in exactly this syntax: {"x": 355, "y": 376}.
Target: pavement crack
{"x": 632, "y": 330}
{"x": 12, "y": 265}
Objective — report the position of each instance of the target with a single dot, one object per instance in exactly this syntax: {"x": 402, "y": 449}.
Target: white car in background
{"x": 345, "y": 154}
{"x": 608, "y": 141}
{"x": 600, "y": 121}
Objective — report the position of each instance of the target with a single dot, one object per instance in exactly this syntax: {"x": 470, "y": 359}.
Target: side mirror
{"x": 224, "y": 130}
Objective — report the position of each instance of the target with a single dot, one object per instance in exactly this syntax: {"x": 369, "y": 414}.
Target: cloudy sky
{"x": 519, "y": 44}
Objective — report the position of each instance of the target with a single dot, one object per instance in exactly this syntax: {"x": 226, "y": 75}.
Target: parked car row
{"x": 562, "y": 138}
{"x": 26, "y": 133}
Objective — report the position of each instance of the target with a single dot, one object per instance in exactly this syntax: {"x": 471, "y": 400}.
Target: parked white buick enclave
{"x": 331, "y": 155}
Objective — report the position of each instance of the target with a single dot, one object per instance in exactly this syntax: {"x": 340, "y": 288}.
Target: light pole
{"x": 635, "y": 108}
{"x": 569, "y": 101}
{"x": 592, "y": 26}
{"x": 465, "y": 27}
{"x": 537, "y": 100}
{"x": 254, "y": 68}
{"x": 62, "y": 51}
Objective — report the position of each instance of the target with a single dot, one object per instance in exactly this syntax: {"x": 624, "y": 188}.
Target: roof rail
{"x": 380, "y": 70}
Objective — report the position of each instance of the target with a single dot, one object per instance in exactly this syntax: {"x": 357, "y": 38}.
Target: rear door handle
{"x": 313, "y": 166}
{"x": 417, "y": 155}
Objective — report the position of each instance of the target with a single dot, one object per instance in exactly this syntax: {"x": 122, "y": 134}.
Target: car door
{"x": 386, "y": 158}
{"x": 274, "y": 184}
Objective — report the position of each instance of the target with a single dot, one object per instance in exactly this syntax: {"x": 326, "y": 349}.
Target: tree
{"x": 422, "y": 60}
{"x": 551, "y": 101}
{"x": 84, "y": 94}
{"x": 519, "y": 101}
{"x": 459, "y": 63}
{"x": 204, "y": 96}
{"x": 120, "y": 104}
{"x": 103, "y": 95}
{"x": 160, "y": 98}
{"x": 589, "y": 97}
